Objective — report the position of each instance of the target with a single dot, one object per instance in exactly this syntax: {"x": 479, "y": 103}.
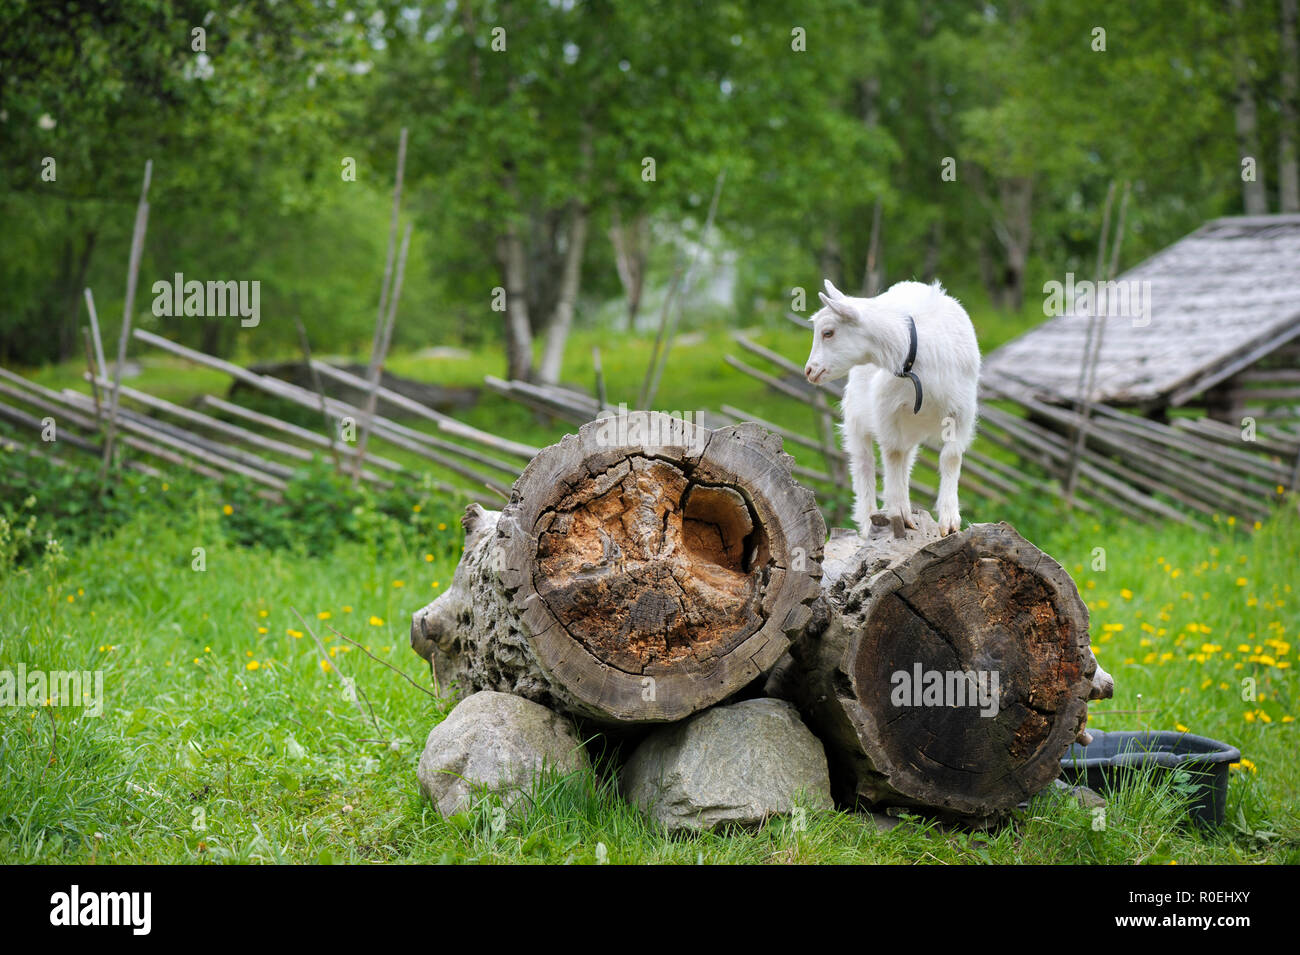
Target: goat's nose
{"x": 807, "y": 372}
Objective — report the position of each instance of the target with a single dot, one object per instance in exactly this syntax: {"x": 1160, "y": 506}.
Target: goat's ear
{"x": 840, "y": 307}
{"x": 831, "y": 290}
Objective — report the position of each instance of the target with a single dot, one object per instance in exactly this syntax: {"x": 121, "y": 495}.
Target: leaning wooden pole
{"x": 643, "y": 570}
{"x": 946, "y": 673}
{"x": 383, "y": 317}
{"x": 132, "y": 276}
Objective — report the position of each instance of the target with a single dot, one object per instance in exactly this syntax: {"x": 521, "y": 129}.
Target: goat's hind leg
{"x": 862, "y": 471}
{"x": 949, "y": 474}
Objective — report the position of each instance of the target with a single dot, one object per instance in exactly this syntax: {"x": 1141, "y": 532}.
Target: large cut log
{"x": 947, "y": 673}
{"x": 644, "y": 569}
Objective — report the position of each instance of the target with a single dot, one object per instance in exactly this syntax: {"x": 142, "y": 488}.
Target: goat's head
{"x": 840, "y": 339}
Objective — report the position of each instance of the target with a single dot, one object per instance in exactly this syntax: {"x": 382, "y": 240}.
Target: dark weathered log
{"x": 949, "y": 673}
{"x": 644, "y": 569}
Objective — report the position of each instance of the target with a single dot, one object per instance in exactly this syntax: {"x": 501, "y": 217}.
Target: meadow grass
{"x": 223, "y": 738}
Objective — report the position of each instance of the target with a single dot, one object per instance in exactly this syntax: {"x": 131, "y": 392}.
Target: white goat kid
{"x": 913, "y": 366}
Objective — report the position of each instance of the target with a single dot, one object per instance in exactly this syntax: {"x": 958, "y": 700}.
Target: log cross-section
{"x": 644, "y": 569}
{"x": 948, "y": 673}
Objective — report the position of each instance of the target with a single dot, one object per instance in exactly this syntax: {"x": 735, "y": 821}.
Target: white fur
{"x": 868, "y": 341}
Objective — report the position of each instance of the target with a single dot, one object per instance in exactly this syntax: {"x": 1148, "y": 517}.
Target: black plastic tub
{"x": 1105, "y": 761}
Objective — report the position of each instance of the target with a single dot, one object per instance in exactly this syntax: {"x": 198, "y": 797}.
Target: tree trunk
{"x": 933, "y": 250}
{"x": 643, "y": 570}
{"x": 557, "y": 330}
{"x": 519, "y": 333}
{"x": 872, "y": 271}
{"x": 630, "y": 254}
{"x": 1289, "y": 104}
{"x": 829, "y": 259}
{"x": 1253, "y": 196}
{"x": 884, "y": 671}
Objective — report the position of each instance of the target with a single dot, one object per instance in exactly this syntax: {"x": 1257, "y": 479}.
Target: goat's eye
{"x": 829, "y": 333}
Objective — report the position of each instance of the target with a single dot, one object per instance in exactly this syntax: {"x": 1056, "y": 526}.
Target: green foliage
{"x": 40, "y": 501}
{"x": 248, "y": 138}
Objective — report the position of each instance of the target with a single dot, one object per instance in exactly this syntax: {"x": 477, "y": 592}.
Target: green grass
{"x": 200, "y": 755}
{"x": 221, "y": 742}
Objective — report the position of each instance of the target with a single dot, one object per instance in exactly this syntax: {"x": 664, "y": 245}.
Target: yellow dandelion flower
{"x": 252, "y": 665}
{"x": 1126, "y": 594}
{"x": 262, "y": 613}
{"x": 435, "y": 585}
{"x": 323, "y": 615}
{"x": 261, "y": 629}
{"x": 376, "y": 621}
{"x": 428, "y": 558}
{"x": 1181, "y": 728}
{"x": 1244, "y": 764}
{"x": 227, "y": 510}
{"x": 1241, "y": 581}
{"x": 1288, "y": 719}
{"x": 399, "y": 583}
{"x": 442, "y": 527}
{"x": 1264, "y": 717}
{"x": 1249, "y": 716}
{"x": 347, "y": 609}
{"x": 296, "y": 634}
{"x": 417, "y": 508}
{"x": 325, "y": 666}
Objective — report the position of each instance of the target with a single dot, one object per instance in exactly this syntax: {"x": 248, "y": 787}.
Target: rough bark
{"x": 983, "y": 601}
{"x": 644, "y": 569}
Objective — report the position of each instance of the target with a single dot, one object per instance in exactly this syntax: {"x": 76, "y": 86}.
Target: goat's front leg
{"x": 949, "y": 474}
{"x": 862, "y": 468}
{"x": 898, "y": 466}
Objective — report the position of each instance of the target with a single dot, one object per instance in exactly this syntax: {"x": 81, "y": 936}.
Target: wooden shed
{"x": 1212, "y": 322}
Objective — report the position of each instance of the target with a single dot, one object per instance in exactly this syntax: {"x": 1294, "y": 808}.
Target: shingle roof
{"x": 1220, "y": 299}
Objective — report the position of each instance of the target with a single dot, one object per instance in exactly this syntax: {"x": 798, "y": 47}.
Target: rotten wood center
{"x": 647, "y": 568}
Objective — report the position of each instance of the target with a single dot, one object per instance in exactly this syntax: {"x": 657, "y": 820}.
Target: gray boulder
{"x": 734, "y": 765}
{"x": 494, "y": 742}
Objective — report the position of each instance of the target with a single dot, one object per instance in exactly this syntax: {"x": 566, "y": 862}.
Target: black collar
{"x": 907, "y": 365}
